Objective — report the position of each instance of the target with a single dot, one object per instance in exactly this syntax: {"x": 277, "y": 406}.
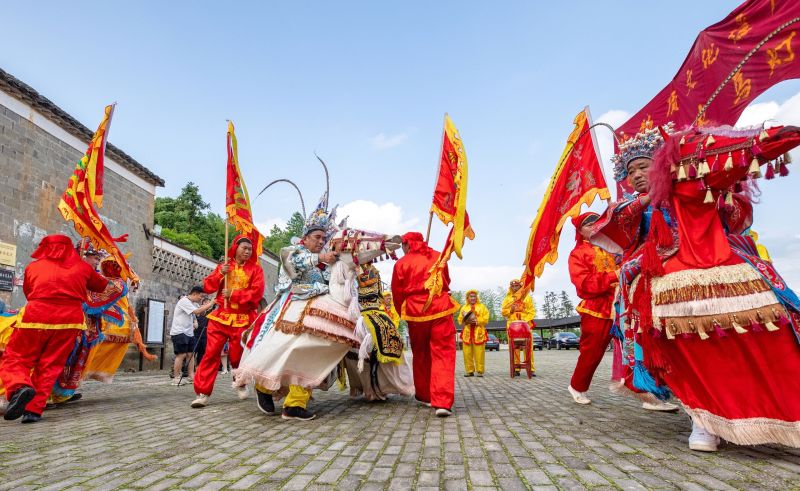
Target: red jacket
{"x": 593, "y": 272}
{"x": 408, "y": 287}
{"x": 247, "y": 285}
{"x": 56, "y": 284}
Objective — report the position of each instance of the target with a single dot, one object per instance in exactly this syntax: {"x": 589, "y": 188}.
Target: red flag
{"x": 450, "y": 193}
{"x": 84, "y": 190}
{"x": 578, "y": 180}
{"x": 450, "y": 204}
{"x": 237, "y": 201}
{"x": 731, "y": 63}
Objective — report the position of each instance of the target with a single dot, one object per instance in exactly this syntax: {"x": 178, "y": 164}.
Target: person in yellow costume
{"x": 522, "y": 310}
{"x": 388, "y": 306}
{"x": 7, "y": 321}
{"x": 473, "y": 317}
{"x": 118, "y": 331}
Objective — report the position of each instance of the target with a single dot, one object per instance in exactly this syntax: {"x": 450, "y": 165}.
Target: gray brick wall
{"x": 36, "y": 167}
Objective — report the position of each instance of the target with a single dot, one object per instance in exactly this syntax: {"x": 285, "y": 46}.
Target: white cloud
{"x": 381, "y": 141}
{"x": 787, "y": 112}
{"x": 266, "y": 226}
{"x": 387, "y": 218}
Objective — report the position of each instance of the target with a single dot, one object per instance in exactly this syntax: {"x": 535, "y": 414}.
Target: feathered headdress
{"x": 644, "y": 144}
{"x": 321, "y": 219}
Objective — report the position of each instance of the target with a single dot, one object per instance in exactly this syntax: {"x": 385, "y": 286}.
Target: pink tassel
{"x": 755, "y": 326}
{"x": 686, "y": 335}
{"x": 692, "y": 172}
{"x": 720, "y": 331}
{"x": 701, "y": 154}
{"x": 701, "y": 185}
{"x": 715, "y": 164}
{"x": 656, "y": 333}
{"x": 783, "y": 170}
{"x": 770, "y": 173}
{"x": 742, "y": 159}
{"x": 755, "y": 149}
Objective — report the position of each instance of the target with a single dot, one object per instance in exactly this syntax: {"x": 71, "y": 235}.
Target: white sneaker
{"x": 443, "y": 413}
{"x": 579, "y": 397}
{"x": 661, "y": 406}
{"x": 701, "y": 440}
{"x": 201, "y": 401}
{"x": 243, "y": 392}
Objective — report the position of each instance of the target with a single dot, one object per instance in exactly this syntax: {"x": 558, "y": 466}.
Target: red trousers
{"x": 433, "y": 344}
{"x": 217, "y": 334}
{"x": 595, "y": 336}
{"x": 36, "y": 357}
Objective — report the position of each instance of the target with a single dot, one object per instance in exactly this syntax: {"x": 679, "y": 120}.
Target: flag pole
{"x": 428, "y": 234}
{"x": 225, "y": 286}
{"x": 436, "y": 177}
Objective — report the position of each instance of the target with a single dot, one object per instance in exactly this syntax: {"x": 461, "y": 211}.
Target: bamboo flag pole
{"x": 225, "y": 286}
{"x": 436, "y": 177}
{"x": 428, "y": 233}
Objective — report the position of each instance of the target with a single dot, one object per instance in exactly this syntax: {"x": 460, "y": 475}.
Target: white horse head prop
{"x": 364, "y": 247}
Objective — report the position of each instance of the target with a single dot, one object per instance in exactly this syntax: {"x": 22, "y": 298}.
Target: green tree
{"x": 187, "y": 221}
{"x": 279, "y": 238}
{"x": 550, "y": 308}
{"x": 459, "y": 297}
{"x": 566, "y": 307}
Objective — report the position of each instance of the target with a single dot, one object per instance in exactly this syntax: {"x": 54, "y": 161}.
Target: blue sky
{"x": 366, "y": 85}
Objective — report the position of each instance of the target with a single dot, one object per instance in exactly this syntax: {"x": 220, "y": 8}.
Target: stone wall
{"x": 175, "y": 271}
{"x": 40, "y": 145}
{"x": 36, "y": 166}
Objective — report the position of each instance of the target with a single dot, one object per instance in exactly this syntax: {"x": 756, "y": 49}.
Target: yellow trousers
{"x": 297, "y": 396}
{"x": 474, "y": 356}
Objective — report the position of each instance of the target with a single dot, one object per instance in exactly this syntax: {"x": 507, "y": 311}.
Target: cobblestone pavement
{"x": 506, "y": 434}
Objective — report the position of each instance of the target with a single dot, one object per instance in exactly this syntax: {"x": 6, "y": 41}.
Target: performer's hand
{"x": 226, "y": 293}
{"x": 328, "y": 257}
{"x": 645, "y": 199}
{"x": 225, "y": 269}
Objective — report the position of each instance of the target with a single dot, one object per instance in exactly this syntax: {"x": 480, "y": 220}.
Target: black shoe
{"x": 470, "y": 374}
{"x": 297, "y": 412}
{"x": 516, "y": 373}
{"x": 75, "y": 397}
{"x": 28, "y": 417}
{"x": 265, "y": 403}
{"x": 19, "y": 399}
{"x": 533, "y": 374}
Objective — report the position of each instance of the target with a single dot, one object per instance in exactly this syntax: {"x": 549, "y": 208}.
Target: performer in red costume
{"x": 592, "y": 271}
{"x": 238, "y": 305}
{"x": 56, "y": 285}
{"x": 431, "y": 330}
{"x": 705, "y": 316}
